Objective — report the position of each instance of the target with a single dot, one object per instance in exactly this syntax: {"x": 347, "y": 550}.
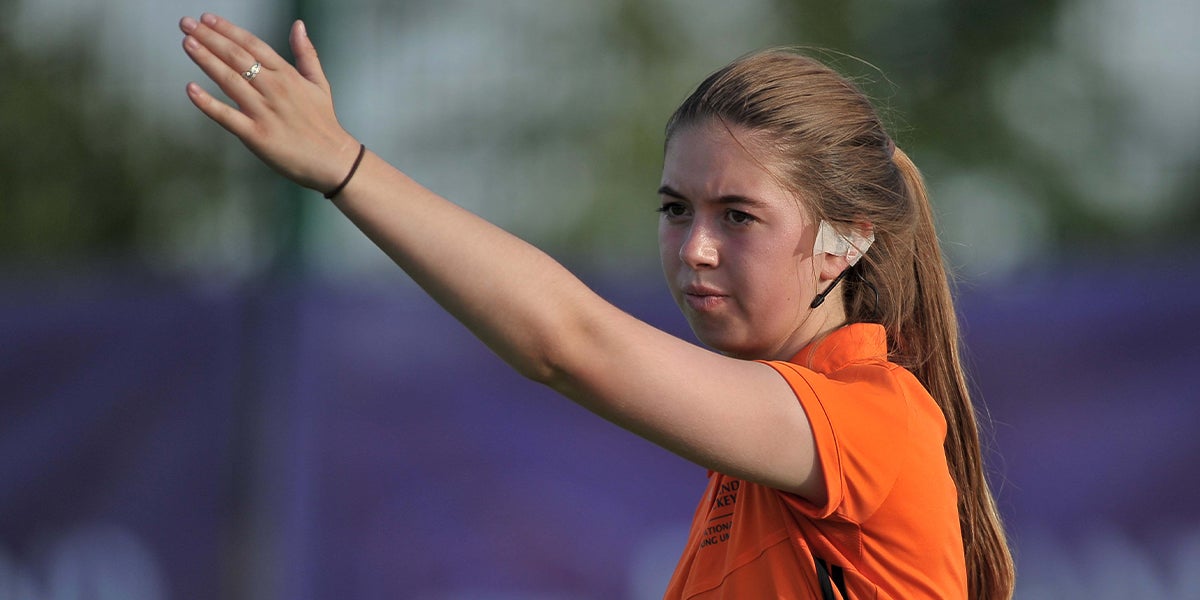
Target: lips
{"x": 703, "y": 298}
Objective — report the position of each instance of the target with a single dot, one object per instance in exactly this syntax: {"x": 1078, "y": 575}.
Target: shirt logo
{"x": 721, "y": 525}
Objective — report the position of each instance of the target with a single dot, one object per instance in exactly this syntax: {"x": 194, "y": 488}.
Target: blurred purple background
{"x": 202, "y": 426}
{"x": 312, "y": 441}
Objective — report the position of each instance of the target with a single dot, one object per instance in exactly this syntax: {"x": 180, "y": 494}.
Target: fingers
{"x": 239, "y": 40}
{"x": 306, "y": 55}
{"x": 221, "y": 59}
{"x": 232, "y": 120}
{"x": 230, "y": 51}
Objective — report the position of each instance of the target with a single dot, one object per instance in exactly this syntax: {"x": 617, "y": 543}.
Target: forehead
{"x": 710, "y": 160}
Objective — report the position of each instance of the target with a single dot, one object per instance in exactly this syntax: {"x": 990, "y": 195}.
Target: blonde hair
{"x": 826, "y": 142}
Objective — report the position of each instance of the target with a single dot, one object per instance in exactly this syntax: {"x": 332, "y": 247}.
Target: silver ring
{"x": 252, "y": 72}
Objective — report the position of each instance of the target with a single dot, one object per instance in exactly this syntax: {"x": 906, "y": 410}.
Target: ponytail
{"x": 929, "y": 339}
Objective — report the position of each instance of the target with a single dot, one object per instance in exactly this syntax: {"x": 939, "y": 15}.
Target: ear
{"x": 831, "y": 266}
{"x": 834, "y": 251}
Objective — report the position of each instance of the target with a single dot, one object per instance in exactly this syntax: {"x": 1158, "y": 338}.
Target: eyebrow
{"x": 667, "y": 190}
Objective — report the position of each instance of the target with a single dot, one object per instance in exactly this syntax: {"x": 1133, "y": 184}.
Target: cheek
{"x": 668, "y": 245}
{"x": 776, "y": 286}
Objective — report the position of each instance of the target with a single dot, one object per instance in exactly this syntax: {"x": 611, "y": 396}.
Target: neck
{"x": 819, "y": 323}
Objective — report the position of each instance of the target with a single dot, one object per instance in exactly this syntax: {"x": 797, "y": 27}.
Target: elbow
{"x": 540, "y": 369}
{"x": 561, "y": 354}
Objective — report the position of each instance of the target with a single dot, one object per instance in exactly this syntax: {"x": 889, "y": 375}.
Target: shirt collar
{"x": 854, "y": 343}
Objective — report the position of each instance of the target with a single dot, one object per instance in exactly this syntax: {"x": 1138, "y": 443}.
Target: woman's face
{"x": 735, "y": 246}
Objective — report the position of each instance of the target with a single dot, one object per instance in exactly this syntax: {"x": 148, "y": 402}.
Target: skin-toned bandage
{"x": 852, "y": 246}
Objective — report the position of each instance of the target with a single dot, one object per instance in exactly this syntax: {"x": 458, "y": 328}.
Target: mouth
{"x": 703, "y": 299}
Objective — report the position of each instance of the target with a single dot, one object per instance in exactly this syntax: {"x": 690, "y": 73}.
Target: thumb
{"x": 305, "y": 53}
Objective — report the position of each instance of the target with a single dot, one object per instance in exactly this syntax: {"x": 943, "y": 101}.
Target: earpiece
{"x": 852, "y": 245}
{"x": 829, "y": 241}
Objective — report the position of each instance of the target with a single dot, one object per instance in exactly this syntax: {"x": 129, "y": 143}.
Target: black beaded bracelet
{"x": 362, "y": 150}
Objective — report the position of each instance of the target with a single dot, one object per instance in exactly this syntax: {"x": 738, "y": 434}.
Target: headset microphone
{"x": 821, "y": 297}
{"x": 829, "y": 241}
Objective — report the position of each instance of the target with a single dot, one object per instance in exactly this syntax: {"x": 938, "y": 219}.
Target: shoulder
{"x": 868, "y": 418}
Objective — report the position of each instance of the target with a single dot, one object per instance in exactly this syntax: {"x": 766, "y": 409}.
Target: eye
{"x": 672, "y": 210}
{"x": 738, "y": 217}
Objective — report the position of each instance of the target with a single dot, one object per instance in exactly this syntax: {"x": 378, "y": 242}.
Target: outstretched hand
{"x": 283, "y": 114}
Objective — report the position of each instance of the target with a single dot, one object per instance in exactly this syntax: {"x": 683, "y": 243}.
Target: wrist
{"x": 330, "y": 193}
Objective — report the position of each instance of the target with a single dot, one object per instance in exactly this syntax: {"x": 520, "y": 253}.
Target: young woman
{"x": 798, "y": 241}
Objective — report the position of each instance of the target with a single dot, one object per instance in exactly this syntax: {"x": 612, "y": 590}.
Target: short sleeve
{"x": 860, "y": 426}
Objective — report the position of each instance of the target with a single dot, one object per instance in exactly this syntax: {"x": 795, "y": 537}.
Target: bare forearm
{"x": 514, "y": 297}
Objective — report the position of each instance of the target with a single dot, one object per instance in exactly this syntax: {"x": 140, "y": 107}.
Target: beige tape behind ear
{"x": 851, "y": 246}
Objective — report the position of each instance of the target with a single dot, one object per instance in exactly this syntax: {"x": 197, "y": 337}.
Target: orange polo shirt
{"x": 891, "y": 518}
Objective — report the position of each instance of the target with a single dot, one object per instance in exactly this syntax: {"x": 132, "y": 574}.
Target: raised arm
{"x": 734, "y": 416}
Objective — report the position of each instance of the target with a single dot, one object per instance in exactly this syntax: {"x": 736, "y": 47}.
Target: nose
{"x": 699, "y": 249}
